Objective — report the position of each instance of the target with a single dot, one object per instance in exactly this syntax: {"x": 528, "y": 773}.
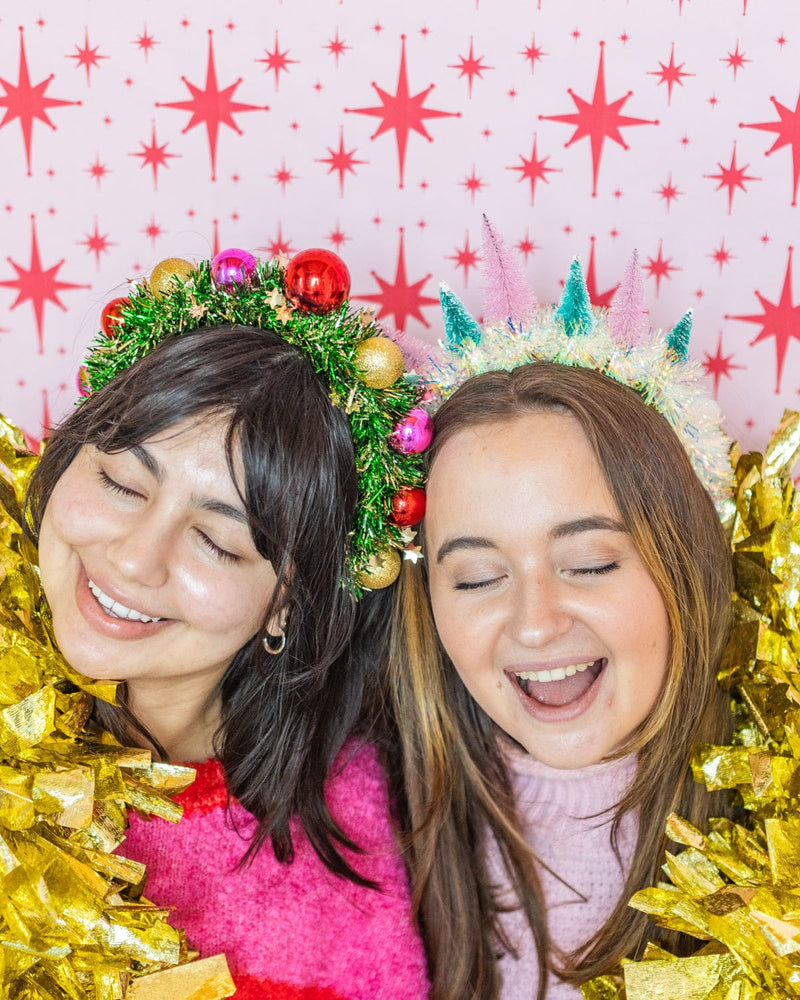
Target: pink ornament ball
{"x": 232, "y": 267}
{"x": 414, "y": 432}
{"x": 316, "y": 280}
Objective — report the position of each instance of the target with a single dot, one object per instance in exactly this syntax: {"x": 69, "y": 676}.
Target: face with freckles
{"x": 540, "y": 597}
{"x": 148, "y": 563}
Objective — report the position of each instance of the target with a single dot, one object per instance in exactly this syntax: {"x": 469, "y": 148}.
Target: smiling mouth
{"x": 560, "y": 686}
{"x": 116, "y": 610}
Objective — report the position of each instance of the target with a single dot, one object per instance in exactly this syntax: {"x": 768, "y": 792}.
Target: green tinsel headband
{"x": 304, "y": 301}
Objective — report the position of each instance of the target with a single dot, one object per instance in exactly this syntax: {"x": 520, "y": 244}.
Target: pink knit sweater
{"x": 556, "y": 806}
{"x": 290, "y": 932}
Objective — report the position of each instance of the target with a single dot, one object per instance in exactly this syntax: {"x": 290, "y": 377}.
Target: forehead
{"x": 537, "y": 463}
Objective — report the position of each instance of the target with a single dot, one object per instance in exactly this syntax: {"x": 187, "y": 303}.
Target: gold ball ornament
{"x": 380, "y": 362}
{"x": 163, "y": 273}
{"x": 381, "y": 570}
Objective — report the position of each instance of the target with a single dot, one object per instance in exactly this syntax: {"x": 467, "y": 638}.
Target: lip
{"x": 556, "y": 713}
{"x": 114, "y": 628}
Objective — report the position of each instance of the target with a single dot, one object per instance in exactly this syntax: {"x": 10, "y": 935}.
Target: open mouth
{"x": 116, "y": 610}
{"x": 561, "y": 686}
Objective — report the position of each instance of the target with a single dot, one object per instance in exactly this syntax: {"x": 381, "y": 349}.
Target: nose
{"x": 140, "y": 549}
{"x": 539, "y": 611}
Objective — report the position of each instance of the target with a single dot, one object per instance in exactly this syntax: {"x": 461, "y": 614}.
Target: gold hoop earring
{"x": 274, "y": 644}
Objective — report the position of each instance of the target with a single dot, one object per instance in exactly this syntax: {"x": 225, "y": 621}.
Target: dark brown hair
{"x": 457, "y": 788}
{"x": 284, "y": 717}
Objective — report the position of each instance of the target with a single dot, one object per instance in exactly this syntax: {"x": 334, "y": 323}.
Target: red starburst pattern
{"x": 402, "y": 112}
{"x": 534, "y": 169}
{"x": 97, "y": 170}
{"x": 145, "y": 42}
{"x": 670, "y": 73}
{"x": 533, "y": 53}
{"x": 473, "y": 184}
{"x": 336, "y": 47}
{"x": 154, "y": 156}
{"x": 788, "y": 129}
{"x": 526, "y": 246}
{"x": 87, "y": 56}
{"x": 152, "y": 230}
{"x": 598, "y": 120}
{"x": 337, "y": 237}
{"x": 735, "y": 60}
{"x": 732, "y": 177}
{"x": 276, "y": 62}
{"x": 470, "y": 66}
{"x": 659, "y": 267}
{"x": 38, "y": 285}
{"x": 27, "y": 102}
{"x": 780, "y": 320}
{"x": 341, "y": 161}
{"x": 466, "y": 258}
{"x": 401, "y": 299}
{"x": 96, "y": 243}
{"x": 602, "y": 299}
{"x": 669, "y": 191}
{"x": 721, "y": 255}
{"x": 212, "y": 106}
{"x": 718, "y": 365}
{"x": 279, "y": 245}
{"x": 283, "y": 175}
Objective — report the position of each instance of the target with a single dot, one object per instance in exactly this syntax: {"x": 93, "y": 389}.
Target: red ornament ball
{"x": 316, "y": 280}
{"x": 111, "y": 317}
{"x": 408, "y": 507}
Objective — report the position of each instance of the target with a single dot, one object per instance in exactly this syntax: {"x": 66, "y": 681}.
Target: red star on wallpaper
{"x": 337, "y": 237}
{"x": 283, "y": 175}
{"x": 145, "y": 42}
{"x": 534, "y": 169}
{"x": 732, "y": 177}
{"x": 97, "y": 243}
{"x": 788, "y": 129}
{"x": 598, "y": 120}
{"x": 473, "y": 184}
{"x": 401, "y": 299}
{"x": 280, "y": 245}
{"x": 526, "y": 246}
{"x": 37, "y": 285}
{"x": 28, "y": 103}
{"x": 465, "y": 257}
{"x": 212, "y": 106}
{"x": 470, "y": 66}
{"x": 402, "y": 112}
{"x": 533, "y": 53}
{"x": 98, "y": 170}
{"x": 87, "y": 56}
{"x": 659, "y": 267}
{"x": 735, "y": 59}
{"x": 602, "y": 299}
{"x": 721, "y": 255}
{"x": 336, "y": 47}
{"x": 670, "y": 74}
{"x": 669, "y": 191}
{"x": 780, "y": 320}
{"x": 276, "y": 61}
{"x": 154, "y": 156}
{"x": 341, "y": 161}
{"x": 719, "y": 364}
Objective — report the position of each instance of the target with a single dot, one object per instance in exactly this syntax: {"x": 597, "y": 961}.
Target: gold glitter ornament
{"x": 381, "y": 571}
{"x": 163, "y": 273}
{"x": 380, "y": 362}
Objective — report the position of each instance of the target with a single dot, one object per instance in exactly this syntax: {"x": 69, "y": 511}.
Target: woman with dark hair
{"x": 195, "y": 521}
{"x": 578, "y": 577}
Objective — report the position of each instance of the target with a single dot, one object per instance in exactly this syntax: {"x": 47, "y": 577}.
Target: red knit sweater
{"x": 290, "y": 932}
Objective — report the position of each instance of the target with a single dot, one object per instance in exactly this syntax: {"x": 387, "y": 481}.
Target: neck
{"x": 182, "y": 718}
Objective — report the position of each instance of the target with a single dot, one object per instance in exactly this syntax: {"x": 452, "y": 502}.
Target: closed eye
{"x": 477, "y": 584}
{"x": 595, "y": 570}
{"x": 222, "y": 554}
{"x": 114, "y": 486}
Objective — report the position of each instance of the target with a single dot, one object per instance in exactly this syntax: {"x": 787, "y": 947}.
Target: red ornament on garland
{"x": 408, "y": 507}
{"x": 111, "y": 317}
{"x": 316, "y": 280}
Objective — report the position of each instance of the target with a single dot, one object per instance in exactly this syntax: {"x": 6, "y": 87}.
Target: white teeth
{"x": 557, "y": 674}
{"x": 117, "y": 610}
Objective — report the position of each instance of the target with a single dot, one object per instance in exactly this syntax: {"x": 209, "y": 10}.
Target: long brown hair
{"x": 457, "y": 791}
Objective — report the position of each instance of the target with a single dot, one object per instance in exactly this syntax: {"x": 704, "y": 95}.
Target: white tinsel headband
{"x": 614, "y": 341}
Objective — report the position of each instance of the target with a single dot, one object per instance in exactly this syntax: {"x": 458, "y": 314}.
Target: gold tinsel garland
{"x": 73, "y": 922}
{"x": 737, "y": 887}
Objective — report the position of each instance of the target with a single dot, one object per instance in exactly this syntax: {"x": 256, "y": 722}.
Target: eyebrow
{"x": 156, "y": 469}
{"x": 564, "y": 530}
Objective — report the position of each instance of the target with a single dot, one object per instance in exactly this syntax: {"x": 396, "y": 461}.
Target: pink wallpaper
{"x": 130, "y": 133}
